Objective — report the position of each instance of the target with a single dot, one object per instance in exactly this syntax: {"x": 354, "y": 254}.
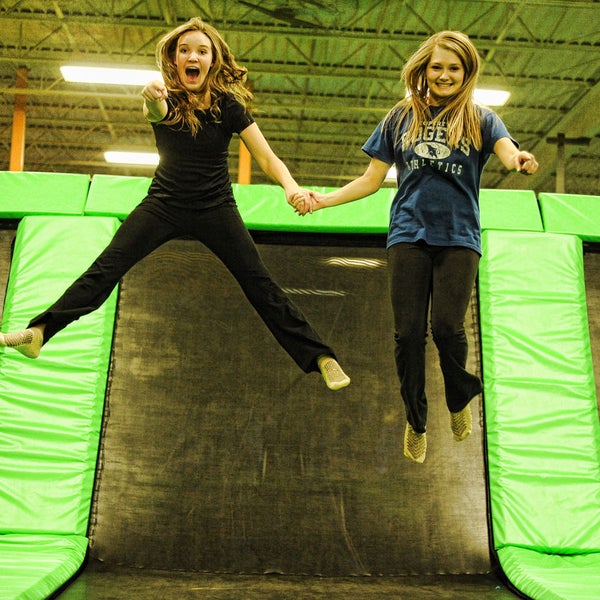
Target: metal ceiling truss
{"x": 323, "y": 73}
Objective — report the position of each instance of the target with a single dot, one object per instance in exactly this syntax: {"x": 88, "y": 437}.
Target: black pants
{"x": 222, "y": 230}
{"x": 421, "y": 276}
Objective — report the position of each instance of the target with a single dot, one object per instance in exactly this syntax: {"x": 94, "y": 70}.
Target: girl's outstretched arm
{"x": 269, "y": 162}
{"x": 365, "y": 185}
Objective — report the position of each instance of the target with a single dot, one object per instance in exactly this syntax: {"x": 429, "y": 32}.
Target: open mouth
{"x": 192, "y": 74}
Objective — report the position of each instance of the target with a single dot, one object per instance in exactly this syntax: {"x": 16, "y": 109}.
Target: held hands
{"x": 301, "y": 201}
{"x": 305, "y": 201}
{"x": 525, "y": 163}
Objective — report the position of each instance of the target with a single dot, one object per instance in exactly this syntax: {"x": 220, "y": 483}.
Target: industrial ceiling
{"x": 323, "y": 74}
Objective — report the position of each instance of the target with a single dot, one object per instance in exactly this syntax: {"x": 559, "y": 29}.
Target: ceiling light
{"x": 132, "y": 158}
{"x": 491, "y": 97}
{"x": 487, "y": 97}
{"x": 83, "y": 74}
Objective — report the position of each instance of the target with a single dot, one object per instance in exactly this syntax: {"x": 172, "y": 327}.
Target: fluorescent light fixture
{"x": 83, "y": 74}
{"x": 491, "y": 97}
{"x": 132, "y": 158}
{"x": 487, "y": 97}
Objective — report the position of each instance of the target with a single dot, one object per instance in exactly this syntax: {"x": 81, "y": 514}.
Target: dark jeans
{"x": 420, "y": 277}
{"x": 222, "y": 230}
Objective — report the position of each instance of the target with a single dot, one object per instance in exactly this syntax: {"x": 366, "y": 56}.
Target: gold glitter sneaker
{"x": 461, "y": 423}
{"x": 415, "y": 444}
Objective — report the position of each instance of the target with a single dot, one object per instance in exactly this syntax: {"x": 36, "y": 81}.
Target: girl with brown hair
{"x": 194, "y": 113}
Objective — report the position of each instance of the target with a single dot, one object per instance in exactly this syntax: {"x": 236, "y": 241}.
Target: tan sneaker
{"x": 415, "y": 444}
{"x": 461, "y": 423}
{"x": 332, "y": 373}
{"x": 28, "y": 342}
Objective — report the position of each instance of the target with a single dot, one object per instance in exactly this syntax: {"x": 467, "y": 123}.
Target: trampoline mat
{"x": 219, "y": 455}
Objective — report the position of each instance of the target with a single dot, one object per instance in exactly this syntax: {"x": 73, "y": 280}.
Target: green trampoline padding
{"x": 541, "y": 413}
{"x": 115, "y": 196}
{"x": 513, "y": 210}
{"x": 552, "y": 576}
{"x": 34, "y": 566}
{"x": 570, "y": 213}
{"x": 42, "y": 194}
{"x": 51, "y": 407}
{"x": 263, "y": 207}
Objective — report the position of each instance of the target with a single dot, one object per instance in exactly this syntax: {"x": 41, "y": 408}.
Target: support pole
{"x": 560, "y": 163}
{"x": 17, "y": 143}
{"x": 561, "y": 141}
{"x": 244, "y": 164}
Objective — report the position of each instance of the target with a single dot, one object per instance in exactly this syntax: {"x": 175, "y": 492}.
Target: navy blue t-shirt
{"x": 438, "y": 187}
{"x": 194, "y": 171}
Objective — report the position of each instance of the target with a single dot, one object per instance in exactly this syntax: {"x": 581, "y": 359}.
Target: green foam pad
{"x": 543, "y": 433}
{"x": 51, "y": 407}
{"x": 541, "y": 411}
{"x": 570, "y": 213}
{"x": 114, "y": 195}
{"x": 264, "y": 207}
{"x": 552, "y": 576}
{"x": 515, "y": 210}
{"x": 42, "y": 193}
{"x": 32, "y": 567}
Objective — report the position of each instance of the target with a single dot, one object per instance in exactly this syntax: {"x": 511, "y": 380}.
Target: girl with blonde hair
{"x": 440, "y": 141}
{"x": 194, "y": 112}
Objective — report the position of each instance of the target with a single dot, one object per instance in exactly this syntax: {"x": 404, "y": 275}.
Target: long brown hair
{"x": 225, "y": 76}
{"x": 462, "y": 114}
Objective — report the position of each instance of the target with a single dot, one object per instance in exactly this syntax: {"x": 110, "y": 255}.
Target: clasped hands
{"x": 305, "y": 201}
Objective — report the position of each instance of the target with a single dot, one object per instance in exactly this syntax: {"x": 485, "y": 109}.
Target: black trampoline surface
{"x": 226, "y": 472}
{"x": 220, "y": 455}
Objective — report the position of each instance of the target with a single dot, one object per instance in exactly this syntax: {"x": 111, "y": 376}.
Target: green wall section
{"x": 572, "y": 214}
{"x": 112, "y": 196}
{"x": 541, "y": 413}
{"x": 543, "y": 435}
{"x": 24, "y": 194}
{"x": 50, "y": 409}
{"x": 263, "y": 207}
{"x": 32, "y": 567}
{"x": 540, "y": 393}
{"x": 509, "y": 210}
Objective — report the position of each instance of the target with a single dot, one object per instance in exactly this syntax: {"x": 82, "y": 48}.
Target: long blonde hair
{"x": 462, "y": 115}
{"x": 225, "y": 76}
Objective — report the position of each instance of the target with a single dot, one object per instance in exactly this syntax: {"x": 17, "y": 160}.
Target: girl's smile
{"x": 445, "y": 75}
{"x": 193, "y": 59}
